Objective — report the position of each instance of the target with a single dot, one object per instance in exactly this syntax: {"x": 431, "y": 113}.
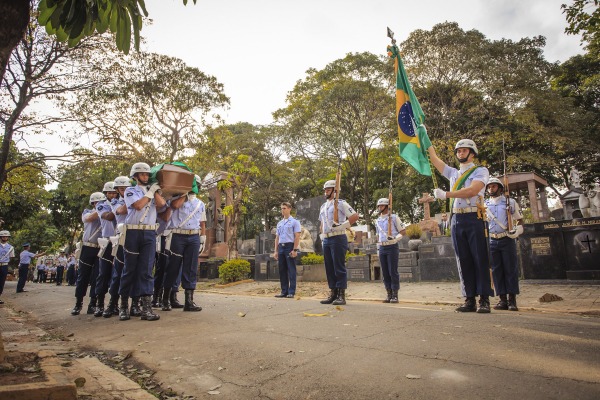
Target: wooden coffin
{"x": 174, "y": 180}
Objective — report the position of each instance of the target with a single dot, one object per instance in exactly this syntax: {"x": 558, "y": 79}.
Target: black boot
{"x": 341, "y": 298}
{"x": 135, "y": 307}
{"x": 512, "y": 302}
{"x": 147, "y": 313}
{"x": 157, "y": 298}
{"x": 78, "y": 305}
{"x": 110, "y": 308}
{"x": 502, "y": 304}
{"x": 124, "y": 309}
{"x": 484, "y": 305}
{"x": 189, "y": 301}
{"x": 174, "y": 302}
{"x": 166, "y": 303}
{"x": 99, "y": 307}
{"x": 332, "y": 296}
{"x": 468, "y": 306}
{"x": 389, "y": 296}
{"x": 92, "y": 306}
{"x": 394, "y": 298}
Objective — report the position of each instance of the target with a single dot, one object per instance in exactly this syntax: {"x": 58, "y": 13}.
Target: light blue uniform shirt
{"x": 287, "y": 228}
{"x": 6, "y": 252}
{"x": 480, "y": 174}
{"x": 326, "y": 214}
{"x": 25, "y": 257}
{"x": 91, "y": 230}
{"x": 382, "y": 227}
{"x": 193, "y": 206}
{"x": 108, "y": 227}
{"x": 114, "y": 204}
{"x": 133, "y": 194}
{"x": 496, "y": 206}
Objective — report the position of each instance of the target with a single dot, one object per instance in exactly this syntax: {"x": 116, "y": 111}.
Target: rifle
{"x": 390, "y": 205}
{"x": 336, "y": 191}
{"x": 506, "y": 191}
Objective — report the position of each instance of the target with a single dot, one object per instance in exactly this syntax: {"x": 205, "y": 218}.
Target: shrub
{"x": 312, "y": 259}
{"x": 414, "y": 231}
{"x": 234, "y": 270}
{"x": 348, "y": 255}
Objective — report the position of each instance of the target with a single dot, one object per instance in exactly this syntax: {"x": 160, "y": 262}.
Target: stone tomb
{"x": 437, "y": 260}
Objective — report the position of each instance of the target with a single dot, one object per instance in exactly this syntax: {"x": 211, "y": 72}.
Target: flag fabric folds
{"x": 410, "y": 118}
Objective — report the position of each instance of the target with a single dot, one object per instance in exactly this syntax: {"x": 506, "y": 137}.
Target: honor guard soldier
{"x": 468, "y": 224}
{"x": 7, "y": 251}
{"x": 60, "y": 268}
{"x": 162, "y": 257}
{"x": 335, "y": 243}
{"x": 105, "y": 257}
{"x": 24, "y": 261}
{"x": 119, "y": 209}
{"x": 88, "y": 259}
{"x": 140, "y": 242}
{"x": 71, "y": 273}
{"x": 188, "y": 234}
{"x": 287, "y": 241}
{"x": 503, "y": 244}
{"x": 388, "y": 250}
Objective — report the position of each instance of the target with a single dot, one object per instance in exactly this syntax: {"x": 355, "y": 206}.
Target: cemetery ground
{"x": 246, "y": 344}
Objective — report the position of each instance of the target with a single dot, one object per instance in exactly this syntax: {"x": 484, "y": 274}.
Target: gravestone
{"x": 307, "y": 212}
{"x": 437, "y": 260}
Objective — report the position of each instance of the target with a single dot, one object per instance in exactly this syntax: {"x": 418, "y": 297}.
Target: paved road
{"x": 364, "y": 350}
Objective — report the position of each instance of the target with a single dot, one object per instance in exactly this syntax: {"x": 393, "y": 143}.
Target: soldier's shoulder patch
{"x": 129, "y": 194}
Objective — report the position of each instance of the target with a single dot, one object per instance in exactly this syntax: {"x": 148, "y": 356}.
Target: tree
{"x": 150, "y": 108}
{"x": 583, "y": 22}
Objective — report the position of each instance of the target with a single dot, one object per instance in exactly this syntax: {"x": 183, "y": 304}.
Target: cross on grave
{"x": 426, "y": 199}
{"x": 588, "y": 241}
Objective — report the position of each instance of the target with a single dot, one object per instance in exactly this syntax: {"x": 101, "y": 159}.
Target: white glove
{"x": 151, "y": 190}
{"x": 439, "y": 194}
{"x": 202, "y": 242}
{"x": 340, "y": 227}
{"x": 399, "y": 236}
{"x": 517, "y": 230}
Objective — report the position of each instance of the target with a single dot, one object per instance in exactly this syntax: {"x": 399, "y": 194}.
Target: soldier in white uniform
{"x": 7, "y": 251}
{"x": 387, "y": 248}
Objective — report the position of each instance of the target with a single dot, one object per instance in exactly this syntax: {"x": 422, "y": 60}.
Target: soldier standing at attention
{"x": 503, "y": 245}
{"x": 88, "y": 259}
{"x": 7, "y": 251}
{"x": 60, "y": 269}
{"x": 388, "y": 249}
{"x": 468, "y": 223}
{"x": 140, "y": 242}
{"x": 287, "y": 241}
{"x": 335, "y": 243}
{"x": 24, "y": 260}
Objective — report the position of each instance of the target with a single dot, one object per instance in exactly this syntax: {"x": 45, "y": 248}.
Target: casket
{"x": 174, "y": 180}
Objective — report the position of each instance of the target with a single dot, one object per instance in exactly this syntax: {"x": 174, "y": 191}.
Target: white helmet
{"x": 329, "y": 184}
{"x": 108, "y": 187}
{"x": 122, "y": 181}
{"x": 96, "y": 197}
{"x": 4, "y": 233}
{"x": 468, "y": 144}
{"x": 139, "y": 167}
{"x": 198, "y": 180}
{"x": 383, "y": 202}
{"x": 496, "y": 181}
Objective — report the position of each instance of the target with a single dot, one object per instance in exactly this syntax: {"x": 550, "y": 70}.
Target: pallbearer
{"x": 105, "y": 257}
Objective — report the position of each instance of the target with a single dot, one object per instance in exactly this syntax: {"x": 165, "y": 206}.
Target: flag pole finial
{"x": 390, "y": 34}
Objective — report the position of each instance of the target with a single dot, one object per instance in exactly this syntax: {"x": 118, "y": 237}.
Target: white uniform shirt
{"x": 326, "y": 214}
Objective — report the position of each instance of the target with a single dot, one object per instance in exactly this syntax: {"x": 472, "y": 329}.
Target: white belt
{"x": 3, "y": 264}
{"x": 331, "y": 234}
{"x": 142, "y": 227}
{"x": 389, "y": 242}
{"x": 90, "y": 244}
{"x": 186, "y": 231}
{"x": 464, "y": 210}
{"x": 498, "y": 235}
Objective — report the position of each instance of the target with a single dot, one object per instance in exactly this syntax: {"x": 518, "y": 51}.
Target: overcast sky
{"x": 259, "y": 48}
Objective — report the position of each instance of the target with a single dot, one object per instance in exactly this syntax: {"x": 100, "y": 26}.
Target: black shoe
{"x": 341, "y": 298}
{"x": 124, "y": 309}
{"x": 394, "y": 298}
{"x": 189, "y": 301}
{"x": 166, "y": 301}
{"x": 1, "y": 302}
{"x": 77, "y": 309}
{"x": 147, "y": 313}
{"x": 280, "y": 295}
{"x": 99, "y": 307}
{"x": 484, "y": 305}
{"x": 468, "y": 306}
{"x": 512, "y": 302}
{"x": 290, "y": 296}
{"x": 92, "y": 306}
{"x": 135, "y": 307}
{"x": 22, "y": 291}
{"x": 389, "y": 296}
{"x": 502, "y": 304}
{"x": 173, "y": 299}
{"x": 332, "y": 296}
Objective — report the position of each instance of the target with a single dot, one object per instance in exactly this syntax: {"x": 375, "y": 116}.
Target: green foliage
{"x": 527, "y": 216}
{"x": 234, "y": 270}
{"x": 414, "y": 231}
{"x": 350, "y": 255}
{"x": 311, "y": 259}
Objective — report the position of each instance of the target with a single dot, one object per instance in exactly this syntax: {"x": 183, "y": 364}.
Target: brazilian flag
{"x": 412, "y": 134}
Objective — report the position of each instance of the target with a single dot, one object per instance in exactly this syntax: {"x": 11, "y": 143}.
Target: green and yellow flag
{"x": 410, "y": 118}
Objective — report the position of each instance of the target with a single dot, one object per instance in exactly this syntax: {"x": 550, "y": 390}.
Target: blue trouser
{"x": 388, "y": 259}
{"x": 471, "y": 248}
{"x": 162, "y": 260}
{"x": 183, "y": 260}
{"x": 505, "y": 269}
{"x": 71, "y": 275}
{"x": 59, "y": 274}
{"x": 334, "y": 251}
{"x": 115, "y": 280}
{"x": 105, "y": 271}
{"x": 23, "y": 270}
{"x": 287, "y": 268}
{"x": 3, "y": 274}
{"x": 87, "y": 272}
{"x": 139, "y": 250}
